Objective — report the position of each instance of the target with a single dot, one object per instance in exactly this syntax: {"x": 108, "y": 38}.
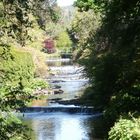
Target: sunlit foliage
{"x": 83, "y": 27}
{"x": 16, "y": 72}
{"x": 63, "y": 42}
{"x": 125, "y": 129}
{"x": 17, "y": 69}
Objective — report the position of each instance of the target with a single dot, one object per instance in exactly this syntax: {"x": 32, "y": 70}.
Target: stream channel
{"x": 54, "y": 121}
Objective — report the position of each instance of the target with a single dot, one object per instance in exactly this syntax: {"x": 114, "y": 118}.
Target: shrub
{"x": 39, "y": 84}
{"x": 49, "y": 46}
{"x": 16, "y": 72}
{"x": 63, "y": 41}
{"x": 125, "y": 129}
{"x": 18, "y": 67}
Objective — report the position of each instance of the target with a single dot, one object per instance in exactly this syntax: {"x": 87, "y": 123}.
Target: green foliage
{"x": 11, "y": 128}
{"x": 83, "y": 27}
{"x": 54, "y": 29}
{"x": 16, "y": 72}
{"x": 85, "y": 5}
{"x": 112, "y": 62}
{"x": 15, "y": 20}
{"x": 16, "y": 65}
{"x": 125, "y": 129}
{"x": 46, "y": 11}
{"x": 39, "y": 84}
{"x": 12, "y": 97}
{"x": 18, "y": 68}
{"x": 63, "y": 41}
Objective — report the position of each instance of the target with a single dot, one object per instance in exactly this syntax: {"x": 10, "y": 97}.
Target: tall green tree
{"x": 46, "y": 11}
{"x": 63, "y": 41}
{"x": 14, "y": 19}
{"x": 83, "y": 26}
{"x": 16, "y": 67}
{"x": 113, "y": 63}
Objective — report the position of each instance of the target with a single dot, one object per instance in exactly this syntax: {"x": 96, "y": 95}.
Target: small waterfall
{"x": 70, "y": 110}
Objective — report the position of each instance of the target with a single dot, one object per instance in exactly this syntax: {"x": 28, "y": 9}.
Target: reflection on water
{"x": 61, "y": 126}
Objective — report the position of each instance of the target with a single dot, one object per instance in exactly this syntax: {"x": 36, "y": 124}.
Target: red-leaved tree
{"x": 49, "y": 46}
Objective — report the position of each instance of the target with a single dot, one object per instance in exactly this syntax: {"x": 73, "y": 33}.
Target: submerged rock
{"x": 58, "y": 81}
{"x": 58, "y": 91}
{"x": 56, "y": 87}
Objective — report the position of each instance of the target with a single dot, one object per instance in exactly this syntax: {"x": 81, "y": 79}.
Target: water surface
{"x": 61, "y": 125}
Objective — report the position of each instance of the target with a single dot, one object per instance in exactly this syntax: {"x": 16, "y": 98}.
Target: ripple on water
{"x": 60, "y": 126}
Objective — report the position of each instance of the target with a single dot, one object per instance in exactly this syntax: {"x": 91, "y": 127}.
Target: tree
{"x": 46, "y": 11}
{"x": 16, "y": 72}
{"x": 113, "y": 62}
{"x": 16, "y": 66}
{"x": 63, "y": 41}
{"x": 15, "y": 19}
{"x": 83, "y": 26}
{"x": 49, "y": 46}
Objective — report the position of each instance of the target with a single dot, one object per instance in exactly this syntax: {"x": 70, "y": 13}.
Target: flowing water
{"x": 63, "y": 122}
{"x": 67, "y": 75}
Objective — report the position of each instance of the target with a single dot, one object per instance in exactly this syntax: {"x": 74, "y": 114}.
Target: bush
{"x": 16, "y": 73}
{"x": 39, "y": 84}
{"x": 125, "y": 129}
{"x": 17, "y": 67}
{"x": 49, "y": 46}
{"x": 63, "y": 41}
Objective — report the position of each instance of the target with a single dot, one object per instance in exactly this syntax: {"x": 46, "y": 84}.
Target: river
{"x": 64, "y": 122}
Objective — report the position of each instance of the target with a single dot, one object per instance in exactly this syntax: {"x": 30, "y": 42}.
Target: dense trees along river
{"x": 106, "y": 42}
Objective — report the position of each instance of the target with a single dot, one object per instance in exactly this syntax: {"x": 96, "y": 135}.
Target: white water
{"x": 69, "y": 76}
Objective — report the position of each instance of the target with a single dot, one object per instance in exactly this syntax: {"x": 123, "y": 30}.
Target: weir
{"x": 70, "y": 110}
